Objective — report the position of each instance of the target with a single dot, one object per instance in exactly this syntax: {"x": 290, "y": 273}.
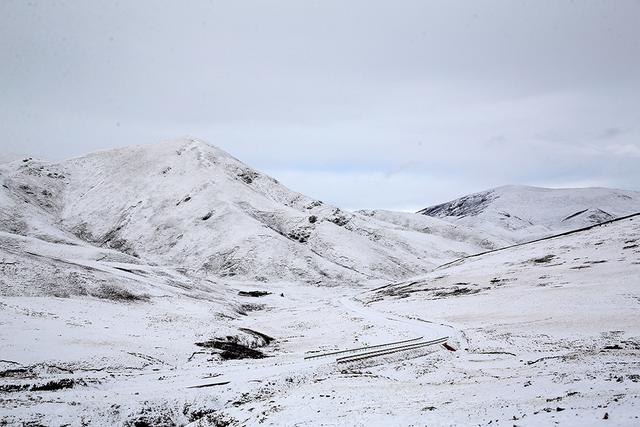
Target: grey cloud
{"x": 456, "y": 95}
{"x": 610, "y": 133}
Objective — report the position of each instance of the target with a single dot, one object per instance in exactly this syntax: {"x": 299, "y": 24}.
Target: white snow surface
{"x": 520, "y": 213}
{"x": 123, "y": 302}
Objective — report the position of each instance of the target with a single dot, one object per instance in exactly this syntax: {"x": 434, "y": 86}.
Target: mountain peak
{"x": 185, "y": 202}
{"x": 518, "y": 212}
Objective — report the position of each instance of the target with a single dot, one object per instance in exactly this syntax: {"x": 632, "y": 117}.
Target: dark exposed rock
{"x": 339, "y": 218}
{"x": 232, "y": 350}
{"x": 545, "y": 259}
{"x": 253, "y": 293}
{"x": 116, "y": 293}
{"x": 455, "y": 291}
{"x": 300, "y": 235}
{"x": 54, "y": 385}
{"x": 593, "y": 215}
{"x": 464, "y": 206}
{"x": 613, "y": 347}
{"x": 248, "y": 176}
{"x": 314, "y": 204}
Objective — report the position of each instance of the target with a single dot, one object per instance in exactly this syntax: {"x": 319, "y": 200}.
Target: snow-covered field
{"x": 174, "y": 285}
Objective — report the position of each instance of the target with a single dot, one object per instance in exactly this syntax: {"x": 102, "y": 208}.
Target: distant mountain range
{"x": 518, "y": 213}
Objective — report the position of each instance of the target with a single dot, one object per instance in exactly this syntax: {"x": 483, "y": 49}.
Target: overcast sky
{"x": 365, "y": 104}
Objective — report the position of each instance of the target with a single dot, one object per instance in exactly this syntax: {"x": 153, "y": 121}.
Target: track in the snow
{"x": 387, "y": 351}
{"x": 353, "y": 350}
{"x": 566, "y": 233}
{"x": 380, "y": 349}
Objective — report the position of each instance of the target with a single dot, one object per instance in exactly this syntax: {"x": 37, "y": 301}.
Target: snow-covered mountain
{"x": 174, "y": 285}
{"x": 188, "y": 204}
{"x": 518, "y": 213}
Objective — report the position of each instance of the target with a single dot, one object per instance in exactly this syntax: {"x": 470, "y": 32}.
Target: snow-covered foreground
{"x": 545, "y": 333}
{"x": 134, "y": 364}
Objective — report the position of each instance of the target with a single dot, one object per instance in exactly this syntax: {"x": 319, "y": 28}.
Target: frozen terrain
{"x": 520, "y": 213}
{"x": 549, "y": 331}
{"x": 173, "y": 285}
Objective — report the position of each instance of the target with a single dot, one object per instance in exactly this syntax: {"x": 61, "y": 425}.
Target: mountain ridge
{"x": 517, "y": 213}
{"x": 185, "y": 202}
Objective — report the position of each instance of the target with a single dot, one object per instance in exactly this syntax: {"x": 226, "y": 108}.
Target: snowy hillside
{"x": 548, "y": 331}
{"x": 519, "y": 213}
{"x": 543, "y": 333}
{"x": 185, "y": 203}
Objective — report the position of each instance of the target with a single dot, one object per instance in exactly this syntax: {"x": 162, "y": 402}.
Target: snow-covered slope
{"x": 519, "y": 213}
{"x": 436, "y": 226}
{"x": 186, "y": 203}
{"x": 551, "y": 324}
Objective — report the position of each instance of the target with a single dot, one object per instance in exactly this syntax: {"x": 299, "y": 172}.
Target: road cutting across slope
{"x": 390, "y": 350}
